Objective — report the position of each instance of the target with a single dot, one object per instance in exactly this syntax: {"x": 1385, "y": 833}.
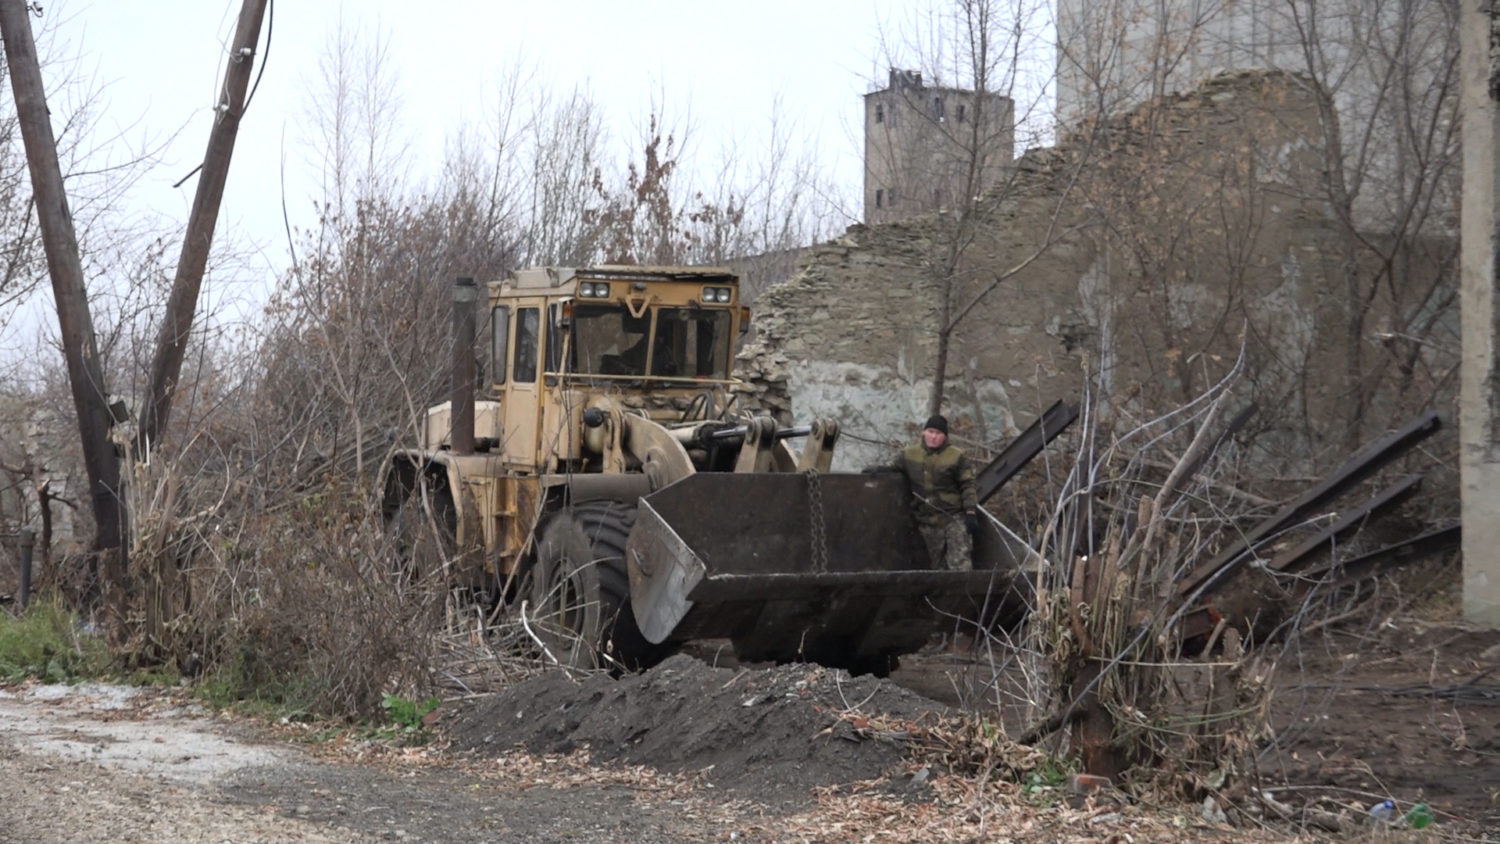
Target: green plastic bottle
{"x": 1418, "y": 817}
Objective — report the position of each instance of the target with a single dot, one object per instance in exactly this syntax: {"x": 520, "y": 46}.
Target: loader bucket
{"x": 739, "y": 556}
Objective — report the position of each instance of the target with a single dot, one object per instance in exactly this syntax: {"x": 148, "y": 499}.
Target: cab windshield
{"x": 686, "y": 342}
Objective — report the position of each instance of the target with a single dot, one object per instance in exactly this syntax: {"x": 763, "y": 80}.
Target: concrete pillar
{"x": 1479, "y": 401}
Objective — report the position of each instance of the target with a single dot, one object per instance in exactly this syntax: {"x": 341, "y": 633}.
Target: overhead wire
{"x": 265, "y": 56}
{"x": 260, "y": 72}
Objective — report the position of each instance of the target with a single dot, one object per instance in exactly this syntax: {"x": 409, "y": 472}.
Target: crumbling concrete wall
{"x": 1133, "y": 259}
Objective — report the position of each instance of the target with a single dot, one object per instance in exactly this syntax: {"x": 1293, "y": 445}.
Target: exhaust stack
{"x": 461, "y": 391}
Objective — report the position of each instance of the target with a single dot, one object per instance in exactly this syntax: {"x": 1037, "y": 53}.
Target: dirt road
{"x": 103, "y": 763}
{"x": 773, "y": 755}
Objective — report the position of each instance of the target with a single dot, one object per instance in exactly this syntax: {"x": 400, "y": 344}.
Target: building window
{"x": 879, "y": 198}
{"x": 962, "y": 112}
{"x": 937, "y": 197}
{"x": 879, "y": 113}
{"x": 937, "y": 109}
{"x": 892, "y": 197}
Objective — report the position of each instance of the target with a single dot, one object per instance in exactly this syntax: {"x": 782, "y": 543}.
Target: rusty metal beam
{"x": 1391, "y": 556}
{"x": 1364, "y": 463}
{"x": 1351, "y": 521}
{"x": 1024, "y": 448}
{"x": 1201, "y": 620}
{"x": 1197, "y": 622}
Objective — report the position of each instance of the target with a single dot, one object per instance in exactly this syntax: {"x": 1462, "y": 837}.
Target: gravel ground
{"x": 111, "y": 764}
{"x": 46, "y": 799}
{"x": 105, "y": 763}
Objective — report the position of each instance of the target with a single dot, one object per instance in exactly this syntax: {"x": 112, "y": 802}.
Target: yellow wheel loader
{"x": 604, "y": 483}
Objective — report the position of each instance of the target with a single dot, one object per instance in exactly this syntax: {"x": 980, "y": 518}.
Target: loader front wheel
{"x": 580, "y": 590}
{"x": 423, "y": 530}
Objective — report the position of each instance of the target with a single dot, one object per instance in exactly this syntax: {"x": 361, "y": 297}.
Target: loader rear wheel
{"x": 580, "y": 590}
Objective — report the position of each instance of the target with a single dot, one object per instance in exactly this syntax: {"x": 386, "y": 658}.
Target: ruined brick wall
{"x": 1207, "y": 242}
{"x": 853, "y": 334}
{"x": 1150, "y": 247}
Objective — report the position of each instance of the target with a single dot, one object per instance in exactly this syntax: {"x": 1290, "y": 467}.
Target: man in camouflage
{"x": 943, "y": 498}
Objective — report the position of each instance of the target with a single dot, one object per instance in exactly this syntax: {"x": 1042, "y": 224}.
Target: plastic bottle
{"x": 1382, "y": 813}
{"x": 1418, "y": 817}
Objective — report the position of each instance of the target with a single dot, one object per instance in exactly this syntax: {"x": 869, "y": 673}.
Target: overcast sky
{"x": 159, "y": 64}
{"x": 155, "y": 67}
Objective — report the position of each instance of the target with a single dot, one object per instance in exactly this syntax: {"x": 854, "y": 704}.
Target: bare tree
{"x": 1388, "y": 75}
{"x": 566, "y": 139}
{"x": 639, "y": 213}
{"x": 1113, "y": 55}
{"x": 22, "y": 264}
{"x": 348, "y": 344}
{"x": 356, "y": 118}
{"x": 758, "y": 212}
{"x": 532, "y": 161}
{"x": 942, "y": 137}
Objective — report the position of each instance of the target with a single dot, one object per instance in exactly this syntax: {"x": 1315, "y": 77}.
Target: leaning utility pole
{"x": 177, "y": 323}
{"x": 85, "y": 375}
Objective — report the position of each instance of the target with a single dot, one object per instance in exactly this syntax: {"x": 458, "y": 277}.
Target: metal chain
{"x": 819, "y": 529}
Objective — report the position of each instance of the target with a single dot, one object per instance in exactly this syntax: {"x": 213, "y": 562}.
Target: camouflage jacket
{"x": 943, "y": 477}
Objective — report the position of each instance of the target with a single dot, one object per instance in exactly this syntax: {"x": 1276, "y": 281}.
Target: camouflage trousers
{"x": 949, "y": 544}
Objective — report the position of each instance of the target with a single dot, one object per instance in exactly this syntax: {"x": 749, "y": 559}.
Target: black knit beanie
{"x": 939, "y": 422}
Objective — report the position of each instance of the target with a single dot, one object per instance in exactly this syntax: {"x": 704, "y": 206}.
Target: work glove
{"x": 971, "y": 521}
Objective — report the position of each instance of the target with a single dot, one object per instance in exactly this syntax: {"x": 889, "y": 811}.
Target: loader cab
{"x": 666, "y": 343}
{"x": 658, "y": 337}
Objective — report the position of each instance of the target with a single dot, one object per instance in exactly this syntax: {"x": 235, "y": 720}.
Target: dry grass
{"x": 1098, "y": 673}
{"x": 1102, "y": 676}
{"x": 302, "y": 608}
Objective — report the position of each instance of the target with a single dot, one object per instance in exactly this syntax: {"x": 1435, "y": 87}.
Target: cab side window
{"x": 499, "y": 342}
{"x": 528, "y": 340}
{"x": 555, "y": 340}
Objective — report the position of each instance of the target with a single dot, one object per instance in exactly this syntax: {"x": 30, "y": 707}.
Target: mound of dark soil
{"x": 771, "y": 732}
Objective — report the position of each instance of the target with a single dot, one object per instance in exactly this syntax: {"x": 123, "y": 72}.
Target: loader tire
{"x": 423, "y": 532}
{"x": 580, "y": 590}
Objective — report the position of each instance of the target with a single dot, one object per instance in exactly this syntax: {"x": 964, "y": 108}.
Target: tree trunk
{"x": 940, "y": 371}
{"x": 85, "y": 375}
{"x": 44, "y": 504}
{"x": 1093, "y": 731}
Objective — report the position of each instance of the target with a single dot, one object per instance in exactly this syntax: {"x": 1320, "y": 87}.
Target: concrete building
{"x": 1388, "y": 76}
{"x": 1389, "y": 70}
{"x": 1113, "y": 55}
{"x": 926, "y": 147}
